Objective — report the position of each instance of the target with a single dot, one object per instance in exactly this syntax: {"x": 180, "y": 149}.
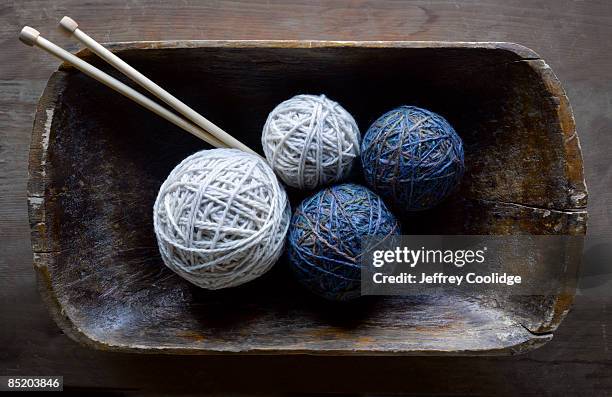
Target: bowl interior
{"x": 108, "y": 157}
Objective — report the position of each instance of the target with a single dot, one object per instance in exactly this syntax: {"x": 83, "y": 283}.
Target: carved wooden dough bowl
{"x": 97, "y": 161}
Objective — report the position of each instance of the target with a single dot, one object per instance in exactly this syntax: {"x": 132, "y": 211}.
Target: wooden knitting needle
{"x": 72, "y": 27}
{"x": 32, "y": 37}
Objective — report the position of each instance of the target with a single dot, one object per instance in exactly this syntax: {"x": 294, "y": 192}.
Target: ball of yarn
{"x": 310, "y": 141}
{"x": 221, "y": 218}
{"x": 412, "y": 157}
{"x": 325, "y": 238}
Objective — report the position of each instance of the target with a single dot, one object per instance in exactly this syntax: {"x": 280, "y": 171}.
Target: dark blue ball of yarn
{"x": 325, "y": 238}
{"x": 412, "y": 157}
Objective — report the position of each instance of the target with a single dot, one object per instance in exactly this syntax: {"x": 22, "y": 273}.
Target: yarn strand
{"x": 221, "y": 218}
{"x": 325, "y": 238}
{"x": 413, "y": 158}
{"x": 310, "y": 141}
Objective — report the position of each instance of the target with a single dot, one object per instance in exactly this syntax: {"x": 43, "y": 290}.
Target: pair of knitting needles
{"x": 193, "y": 122}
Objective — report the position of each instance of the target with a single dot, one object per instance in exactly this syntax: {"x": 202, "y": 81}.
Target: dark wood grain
{"x": 573, "y": 36}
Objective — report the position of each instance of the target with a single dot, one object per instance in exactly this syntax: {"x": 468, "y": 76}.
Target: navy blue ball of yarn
{"x": 325, "y": 237}
{"x": 412, "y": 157}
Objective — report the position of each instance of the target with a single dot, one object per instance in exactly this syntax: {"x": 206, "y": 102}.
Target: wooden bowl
{"x": 97, "y": 161}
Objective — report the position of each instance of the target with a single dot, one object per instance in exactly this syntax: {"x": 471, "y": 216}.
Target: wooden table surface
{"x": 574, "y": 37}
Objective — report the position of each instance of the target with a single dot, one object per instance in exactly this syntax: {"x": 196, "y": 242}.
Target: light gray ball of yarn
{"x": 221, "y": 218}
{"x": 310, "y": 141}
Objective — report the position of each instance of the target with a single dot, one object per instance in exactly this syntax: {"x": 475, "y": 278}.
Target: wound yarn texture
{"x": 310, "y": 141}
{"x": 325, "y": 238}
{"x": 221, "y": 218}
{"x": 412, "y": 157}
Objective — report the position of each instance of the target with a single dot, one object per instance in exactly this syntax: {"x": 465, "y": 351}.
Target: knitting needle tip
{"x": 69, "y": 24}
{"x": 29, "y": 35}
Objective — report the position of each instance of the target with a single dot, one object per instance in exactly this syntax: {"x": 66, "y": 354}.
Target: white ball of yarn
{"x": 310, "y": 141}
{"x": 221, "y": 218}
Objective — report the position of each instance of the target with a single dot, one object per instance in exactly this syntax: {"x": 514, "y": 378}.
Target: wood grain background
{"x": 574, "y": 37}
